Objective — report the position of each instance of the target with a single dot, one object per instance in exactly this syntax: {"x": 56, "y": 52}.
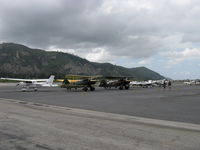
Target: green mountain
{"x": 23, "y": 62}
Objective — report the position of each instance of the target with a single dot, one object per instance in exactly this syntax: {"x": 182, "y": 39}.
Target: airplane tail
{"x": 51, "y": 79}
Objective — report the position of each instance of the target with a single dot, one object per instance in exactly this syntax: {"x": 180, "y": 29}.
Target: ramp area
{"x": 181, "y": 103}
{"x": 27, "y": 125}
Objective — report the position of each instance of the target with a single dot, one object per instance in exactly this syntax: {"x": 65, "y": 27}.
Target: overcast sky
{"x": 163, "y": 35}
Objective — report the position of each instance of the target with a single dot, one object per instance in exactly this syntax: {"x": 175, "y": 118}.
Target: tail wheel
{"x": 121, "y": 88}
{"x": 85, "y": 89}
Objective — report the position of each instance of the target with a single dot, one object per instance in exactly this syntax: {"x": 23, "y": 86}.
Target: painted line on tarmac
{"x": 114, "y": 117}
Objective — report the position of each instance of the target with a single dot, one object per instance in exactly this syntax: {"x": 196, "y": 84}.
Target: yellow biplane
{"x": 79, "y": 81}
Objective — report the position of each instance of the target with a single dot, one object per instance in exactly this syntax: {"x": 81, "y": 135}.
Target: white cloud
{"x": 145, "y": 62}
{"x": 98, "y": 55}
{"x": 181, "y": 2}
{"x": 94, "y": 55}
{"x": 182, "y": 73}
{"x": 116, "y": 6}
{"x": 175, "y": 57}
{"x": 174, "y": 41}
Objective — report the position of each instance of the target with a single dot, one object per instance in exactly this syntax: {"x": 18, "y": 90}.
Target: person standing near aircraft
{"x": 169, "y": 84}
{"x": 164, "y": 84}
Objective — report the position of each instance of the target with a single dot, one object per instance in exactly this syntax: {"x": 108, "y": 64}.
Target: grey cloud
{"x": 83, "y": 25}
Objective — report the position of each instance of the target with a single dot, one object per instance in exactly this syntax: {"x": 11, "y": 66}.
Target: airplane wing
{"x": 15, "y": 79}
{"x": 76, "y": 77}
{"x": 118, "y": 77}
{"x": 49, "y": 85}
{"x": 24, "y": 80}
{"x": 70, "y": 80}
{"x": 59, "y": 80}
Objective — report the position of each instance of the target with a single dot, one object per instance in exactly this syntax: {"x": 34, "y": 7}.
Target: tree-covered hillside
{"x": 21, "y": 61}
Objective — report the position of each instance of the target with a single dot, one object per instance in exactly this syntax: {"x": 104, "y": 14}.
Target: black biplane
{"x": 116, "y": 82}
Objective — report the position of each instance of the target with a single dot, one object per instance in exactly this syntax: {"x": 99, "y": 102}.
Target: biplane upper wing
{"x": 78, "y": 77}
{"x": 118, "y": 77}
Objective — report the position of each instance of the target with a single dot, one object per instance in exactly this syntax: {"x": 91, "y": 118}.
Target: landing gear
{"x": 85, "y": 89}
{"x": 92, "y": 88}
{"x": 35, "y": 89}
{"x": 127, "y": 87}
{"x": 68, "y": 89}
{"x": 121, "y": 87}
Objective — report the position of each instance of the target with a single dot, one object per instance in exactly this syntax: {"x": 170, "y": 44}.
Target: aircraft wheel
{"x": 126, "y": 87}
{"x": 35, "y": 89}
{"x": 85, "y": 89}
{"x": 121, "y": 88}
{"x": 92, "y": 88}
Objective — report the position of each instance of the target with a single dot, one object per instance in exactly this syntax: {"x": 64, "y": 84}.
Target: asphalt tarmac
{"x": 27, "y": 126}
{"x": 181, "y": 103}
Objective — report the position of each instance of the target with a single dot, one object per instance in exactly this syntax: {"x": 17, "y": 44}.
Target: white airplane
{"x": 159, "y": 83}
{"x": 144, "y": 84}
{"x": 192, "y": 82}
{"x": 27, "y": 84}
{"x": 149, "y": 83}
{"x": 140, "y": 83}
{"x": 189, "y": 82}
